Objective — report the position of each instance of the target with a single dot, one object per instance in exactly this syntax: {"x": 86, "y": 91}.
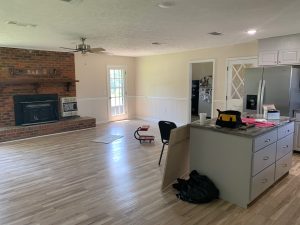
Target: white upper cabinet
{"x": 284, "y": 50}
{"x": 267, "y": 58}
{"x": 291, "y": 56}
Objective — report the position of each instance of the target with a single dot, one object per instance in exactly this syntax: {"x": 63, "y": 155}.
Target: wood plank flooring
{"x": 67, "y": 179}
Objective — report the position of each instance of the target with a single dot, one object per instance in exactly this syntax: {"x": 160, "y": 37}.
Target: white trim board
{"x": 190, "y": 84}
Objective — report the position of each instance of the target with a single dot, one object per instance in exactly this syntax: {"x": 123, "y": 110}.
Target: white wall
{"x": 157, "y": 86}
{"x": 162, "y": 81}
{"x": 92, "y": 93}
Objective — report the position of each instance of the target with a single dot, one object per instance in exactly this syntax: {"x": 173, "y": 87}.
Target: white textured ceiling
{"x": 128, "y": 27}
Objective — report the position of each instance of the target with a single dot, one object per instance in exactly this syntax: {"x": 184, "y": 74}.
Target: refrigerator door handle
{"x": 258, "y": 98}
{"x": 262, "y": 96}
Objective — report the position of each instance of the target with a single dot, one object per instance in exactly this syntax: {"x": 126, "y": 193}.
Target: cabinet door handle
{"x": 263, "y": 181}
{"x": 268, "y": 140}
{"x": 286, "y": 146}
{"x": 266, "y": 158}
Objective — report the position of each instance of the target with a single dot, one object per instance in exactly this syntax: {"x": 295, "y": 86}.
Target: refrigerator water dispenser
{"x": 251, "y": 103}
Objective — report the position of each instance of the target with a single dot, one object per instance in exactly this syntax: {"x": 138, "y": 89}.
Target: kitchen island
{"x": 241, "y": 163}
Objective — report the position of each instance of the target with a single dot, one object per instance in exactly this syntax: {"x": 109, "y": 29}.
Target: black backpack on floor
{"x": 197, "y": 189}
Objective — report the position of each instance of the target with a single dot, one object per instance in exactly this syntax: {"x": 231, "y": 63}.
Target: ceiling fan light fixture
{"x": 85, "y": 48}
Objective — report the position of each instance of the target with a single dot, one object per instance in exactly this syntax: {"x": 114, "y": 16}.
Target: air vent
{"x": 166, "y": 4}
{"x": 16, "y": 23}
{"x": 72, "y": 1}
{"x": 215, "y": 33}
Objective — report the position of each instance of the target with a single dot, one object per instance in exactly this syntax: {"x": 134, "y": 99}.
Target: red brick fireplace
{"x": 35, "y": 78}
{"x": 30, "y": 72}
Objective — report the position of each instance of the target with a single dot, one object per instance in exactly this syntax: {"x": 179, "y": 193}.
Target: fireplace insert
{"x": 36, "y": 109}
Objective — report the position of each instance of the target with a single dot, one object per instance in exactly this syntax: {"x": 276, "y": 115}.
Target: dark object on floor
{"x": 197, "y": 189}
{"x": 165, "y": 128}
{"x": 143, "y": 138}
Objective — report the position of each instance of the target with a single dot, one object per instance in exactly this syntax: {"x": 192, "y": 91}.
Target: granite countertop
{"x": 249, "y": 132}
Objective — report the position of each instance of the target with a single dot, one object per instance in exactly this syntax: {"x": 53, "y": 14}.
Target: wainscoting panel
{"x": 97, "y": 108}
{"x": 131, "y": 109}
{"x": 93, "y": 107}
{"x": 162, "y": 108}
{"x": 144, "y": 107}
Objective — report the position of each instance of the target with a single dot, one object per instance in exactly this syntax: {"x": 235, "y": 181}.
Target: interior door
{"x": 235, "y": 82}
{"x": 117, "y": 102}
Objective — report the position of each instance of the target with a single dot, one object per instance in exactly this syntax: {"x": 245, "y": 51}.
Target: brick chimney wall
{"x": 32, "y": 60}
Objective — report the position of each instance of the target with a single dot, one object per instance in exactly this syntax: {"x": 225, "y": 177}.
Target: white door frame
{"x": 228, "y": 60}
{"x": 189, "y": 109}
{"x": 125, "y": 116}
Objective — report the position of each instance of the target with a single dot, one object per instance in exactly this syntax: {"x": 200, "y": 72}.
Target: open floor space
{"x": 67, "y": 179}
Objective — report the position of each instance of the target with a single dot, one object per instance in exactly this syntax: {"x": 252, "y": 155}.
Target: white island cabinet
{"x": 241, "y": 163}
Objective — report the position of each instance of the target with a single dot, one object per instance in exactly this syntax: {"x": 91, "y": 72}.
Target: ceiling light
{"x": 251, "y": 31}
{"x": 215, "y": 33}
{"x": 166, "y": 4}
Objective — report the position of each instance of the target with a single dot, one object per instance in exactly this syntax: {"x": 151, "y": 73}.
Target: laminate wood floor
{"x": 67, "y": 179}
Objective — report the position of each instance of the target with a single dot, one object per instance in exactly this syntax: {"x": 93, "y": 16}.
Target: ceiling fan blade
{"x": 95, "y": 50}
{"x": 84, "y": 48}
{"x": 68, "y": 48}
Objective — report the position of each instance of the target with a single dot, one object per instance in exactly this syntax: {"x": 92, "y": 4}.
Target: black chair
{"x": 165, "y": 128}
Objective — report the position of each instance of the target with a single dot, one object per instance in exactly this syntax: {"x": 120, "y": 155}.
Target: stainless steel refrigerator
{"x": 272, "y": 85}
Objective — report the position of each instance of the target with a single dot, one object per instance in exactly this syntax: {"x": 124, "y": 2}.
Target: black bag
{"x": 197, "y": 189}
{"x": 229, "y": 118}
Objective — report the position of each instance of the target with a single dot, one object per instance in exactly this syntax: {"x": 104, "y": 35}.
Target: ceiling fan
{"x": 84, "y": 48}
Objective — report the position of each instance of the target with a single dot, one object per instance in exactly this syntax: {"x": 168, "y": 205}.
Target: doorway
{"x": 201, "y": 88}
{"x": 235, "y": 81}
{"x": 117, "y": 102}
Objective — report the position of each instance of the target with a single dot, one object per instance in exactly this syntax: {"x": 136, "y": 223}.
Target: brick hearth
{"x": 19, "y": 132}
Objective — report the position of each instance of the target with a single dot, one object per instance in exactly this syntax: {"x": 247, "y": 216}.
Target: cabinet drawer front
{"x": 265, "y": 140}
{"x": 284, "y": 146}
{"x": 286, "y": 130}
{"x": 262, "y": 181}
{"x": 263, "y": 158}
{"x": 283, "y": 165}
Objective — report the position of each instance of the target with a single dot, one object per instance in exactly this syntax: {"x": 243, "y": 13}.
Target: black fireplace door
{"x": 35, "y": 109}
